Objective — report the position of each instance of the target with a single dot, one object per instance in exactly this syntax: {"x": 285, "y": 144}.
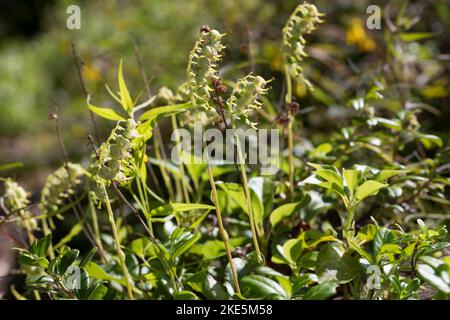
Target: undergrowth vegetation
{"x": 358, "y": 214}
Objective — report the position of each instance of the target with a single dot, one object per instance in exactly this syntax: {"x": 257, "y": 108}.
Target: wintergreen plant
{"x": 355, "y": 237}
{"x": 244, "y": 98}
{"x": 15, "y": 201}
{"x": 114, "y": 164}
{"x": 114, "y": 160}
{"x": 59, "y": 185}
{"x": 301, "y": 22}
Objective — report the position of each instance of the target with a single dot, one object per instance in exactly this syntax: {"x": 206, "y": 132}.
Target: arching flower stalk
{"x": 15, "y": 201}
{"x": 201, "y": 71}
{"x": 243, "y": 99}
{"x": 59, "y": 185}
{"x": 113, "y": 164}
{"x": 301, "y": 22}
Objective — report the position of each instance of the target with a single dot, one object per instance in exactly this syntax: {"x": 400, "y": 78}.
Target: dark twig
{"x": 79, "y": 213}
{"x": 79, "y": 65}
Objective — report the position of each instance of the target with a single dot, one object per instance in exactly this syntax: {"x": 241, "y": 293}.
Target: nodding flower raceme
{"x": 244, "y": 97}
{"x": 203, "y": 66}
{"x": 59, "y": 186}
{"x": 15, "y": 201}
{"x": 302, "y": 21}
{"x": 113, "y": 163}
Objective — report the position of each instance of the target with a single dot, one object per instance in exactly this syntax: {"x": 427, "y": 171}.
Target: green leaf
{"x": 386, "y": 174}
{"x": 97, "y": 272}
{"x": 429, "y": 140}
{"x": 282, "y": 212}
{"x": 352, "y": 179}
{"x": 390, "y": 248}
{"x": 330, "y": 176}
{"x": 291, "y": 250}
{"x": 369, "y": 188}
{"x": 171, "y": 208}
{"x": 204, "y": 283}
{"x": 67, "y": 259}
{"x": 106, "y": 113}
{"x": 76, "y": 229}
{"x": 392, "y": 124}
{"x": 429, "y": 274}
{"x": 98, "y": 292}
{"x": 40, "y": 247}
{"x": 29, "y": 259}
{"x": 213, "y": 249}
{"x": 87, "y": 258}
{"x": 414, "y": 36}
{"x": 153, "y": 114}
{"x": 10, "y": 166}
{"x": 321, "y": 291}
{"x": 262, "y": 287}
{"x": 185, "y": 295}
{"x": 125, "y": 97}
{"x": 236, "y": 193}
{"x": 183, "y": 243}
{"x": 332, "y": 264}
{"x": 363, "y": 253}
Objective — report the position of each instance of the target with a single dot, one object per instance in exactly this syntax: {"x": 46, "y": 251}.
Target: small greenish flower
{"x": 114, "y": 162}
{"x": 15, "y": 201}
{"x": 15, "y": 196}
{"x": 203, "y": 66}
{"x": 59, "y": 185}
{"x": 302, "y": 21}
{"x": 244, "y": 97}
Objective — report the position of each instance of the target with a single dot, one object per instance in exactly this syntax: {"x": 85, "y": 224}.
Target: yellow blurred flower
{"x": 90, "y": 72}
{"x": 300, "y": 89}
{"x": 357, "y": 36}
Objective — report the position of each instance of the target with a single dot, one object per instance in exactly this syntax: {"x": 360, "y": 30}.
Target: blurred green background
{"x": 37, "y": 67}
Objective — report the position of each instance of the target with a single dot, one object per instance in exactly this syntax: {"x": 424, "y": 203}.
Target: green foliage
{"x": 357, "y": 208}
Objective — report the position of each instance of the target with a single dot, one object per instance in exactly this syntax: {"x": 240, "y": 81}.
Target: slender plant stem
{"x": 222, "y": 230}
{"x": 349, "y": 224}
{"x": 180, "y": 165}
{"x": 288, "y": 99}
{"x": 120, "y": 253}
{"x": 241, "y": 164}
{"x": 96, "y": 229}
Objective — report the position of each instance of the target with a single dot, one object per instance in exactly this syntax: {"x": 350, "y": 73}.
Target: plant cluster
{"x": 359, "y": 214}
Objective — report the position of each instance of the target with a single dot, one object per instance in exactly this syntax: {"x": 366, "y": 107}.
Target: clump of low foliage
{"x": 353, "y": 216}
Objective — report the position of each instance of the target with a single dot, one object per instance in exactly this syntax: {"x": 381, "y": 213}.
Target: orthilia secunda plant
{"x": 202, "y": 70}
{"x": 243, "y": 99}
{"x": 57, "y": 189}
{"x": 301, "y": 22}
{"x": 59, "y": 185}
{"x": 15, "y": 202}
{"x": 113, "y": 164}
